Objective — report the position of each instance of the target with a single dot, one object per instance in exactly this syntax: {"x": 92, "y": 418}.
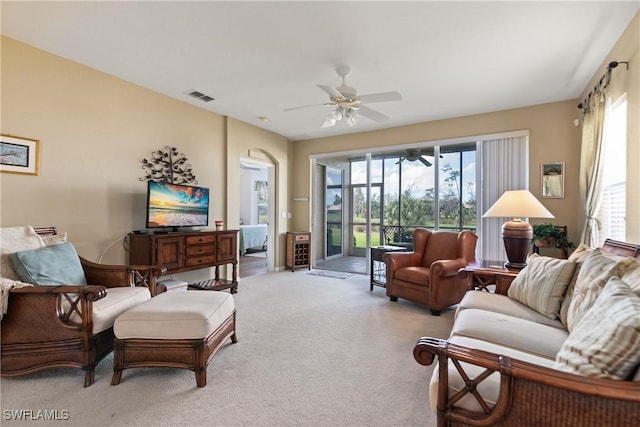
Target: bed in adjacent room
{"x": 253, "y": 238}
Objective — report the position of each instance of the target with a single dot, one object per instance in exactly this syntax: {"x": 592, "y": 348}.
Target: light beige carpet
{"x": 312, "y": 351}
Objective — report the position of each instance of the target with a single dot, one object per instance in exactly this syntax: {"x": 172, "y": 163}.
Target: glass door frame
{"x": 326, "y": 213}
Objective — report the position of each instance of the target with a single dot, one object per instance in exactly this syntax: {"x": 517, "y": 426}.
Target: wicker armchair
{"x": 53, "y": 326}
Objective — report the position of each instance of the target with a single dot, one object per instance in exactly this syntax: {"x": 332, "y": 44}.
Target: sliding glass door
{"x": 333, "y": 212}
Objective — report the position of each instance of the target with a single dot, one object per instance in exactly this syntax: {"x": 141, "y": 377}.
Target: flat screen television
{"x": 176, "y": 205}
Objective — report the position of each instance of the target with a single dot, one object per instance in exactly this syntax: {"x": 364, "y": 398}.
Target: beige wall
{"x": 94, "y": 131}
{"x": 553, "y": 138}
{"x": 627, "y": 81}
{"x": 257, "y": 144}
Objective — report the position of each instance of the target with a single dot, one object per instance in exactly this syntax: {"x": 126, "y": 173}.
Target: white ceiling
{"x": 447, "y": 59}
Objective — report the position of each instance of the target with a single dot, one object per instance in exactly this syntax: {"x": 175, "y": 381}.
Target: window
{"x": 262, "y": 189}
{"x": 457, "y": 189}
{"x": 414, "y": 188}
{"x": 612, "y": 213}
{"x": 361, "y": 203}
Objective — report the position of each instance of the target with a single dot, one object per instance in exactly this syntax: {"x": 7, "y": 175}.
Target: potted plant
{"x": 548, "y": 235}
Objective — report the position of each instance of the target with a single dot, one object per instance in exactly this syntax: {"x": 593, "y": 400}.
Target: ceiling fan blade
{"x": 372, "y": 114}
{"x": 424, "y": 161}
{"x": 332, "y": 91}
{"x": 302, "y": 106}
{"x": 381, "y": 97}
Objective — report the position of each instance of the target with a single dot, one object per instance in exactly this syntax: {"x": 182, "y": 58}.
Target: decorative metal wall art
{"x": 167, "y": 165}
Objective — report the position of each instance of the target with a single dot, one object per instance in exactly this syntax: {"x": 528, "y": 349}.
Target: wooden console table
{"x": 187, "y": 251}
{"x": 488, "y": 276}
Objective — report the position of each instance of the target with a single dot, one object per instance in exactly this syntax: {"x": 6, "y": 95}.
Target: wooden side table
{"x": 488, "y": 276}
{"x": 378, "y": 269}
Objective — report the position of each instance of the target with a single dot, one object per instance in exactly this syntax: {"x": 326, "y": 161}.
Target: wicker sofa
{"x": 507, "y": 364}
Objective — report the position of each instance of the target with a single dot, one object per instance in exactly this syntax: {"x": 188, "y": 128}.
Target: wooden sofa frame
{"x": 37, "y": 333}
{"x": 531, "y": 394}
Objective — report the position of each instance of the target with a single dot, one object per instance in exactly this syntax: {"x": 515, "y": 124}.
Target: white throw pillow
{"x": 595, "y": 272}
{"x": 56, "y": 239}
{"x": 542, "y": 283}
{"x": 605, "y": 343}
{"x": 14, "y": 239}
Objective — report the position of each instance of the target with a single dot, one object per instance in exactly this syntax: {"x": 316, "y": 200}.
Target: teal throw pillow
{"x": 51, "y": 265}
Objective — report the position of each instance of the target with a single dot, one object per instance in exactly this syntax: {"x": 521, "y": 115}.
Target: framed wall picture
{"x": 19, "y": 155}
{"x": 553, "y": 180}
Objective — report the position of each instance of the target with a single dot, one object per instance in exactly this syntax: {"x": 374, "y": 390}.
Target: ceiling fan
{"x": 412, "y": 156}
{"x": 348, "y": 104}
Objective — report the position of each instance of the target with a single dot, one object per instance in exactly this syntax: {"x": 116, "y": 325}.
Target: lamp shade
{"x": 518, "y": 204}
{"x": 517, "y": 234}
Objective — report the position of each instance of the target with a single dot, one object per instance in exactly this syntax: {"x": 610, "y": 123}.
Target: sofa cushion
{"x": 542, "y": 283}
{"x": 417, "y": 275}
{"x": 596, "y": 270}
{"x": 117, "y": 301}
{"x": 490, "y": 387}
{"x": 51, "y": 265}
{"x": 12, "y": 240}
{"x": 507, "y": 331}
{"x": 605, "y": 343}
{"x": 505, "y": 305}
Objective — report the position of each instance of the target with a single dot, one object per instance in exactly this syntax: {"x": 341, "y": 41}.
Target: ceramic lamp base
{"x": 517, "y": 236}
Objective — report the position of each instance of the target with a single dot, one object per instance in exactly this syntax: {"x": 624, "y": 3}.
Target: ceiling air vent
{"x": 199, "y": 95}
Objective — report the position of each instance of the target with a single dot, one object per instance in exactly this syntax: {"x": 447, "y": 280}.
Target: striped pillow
{"x": 605, "y": 343}
{"x": 542, "y": 283}
{"x": 578, "y": 256}
{"x": 632, "y": 276}
{"x": 596, "y": 270}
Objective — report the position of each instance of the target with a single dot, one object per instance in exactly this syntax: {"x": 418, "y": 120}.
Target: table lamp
{"x": 517, "y": 234}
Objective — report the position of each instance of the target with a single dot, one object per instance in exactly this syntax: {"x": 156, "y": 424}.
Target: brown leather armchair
{"x": 429, "y": 274}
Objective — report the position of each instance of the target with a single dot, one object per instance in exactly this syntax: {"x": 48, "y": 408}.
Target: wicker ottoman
{"x": 176, "y": 330}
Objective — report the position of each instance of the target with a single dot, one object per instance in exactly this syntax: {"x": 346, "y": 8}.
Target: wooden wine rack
{"x": 298, "y": 250}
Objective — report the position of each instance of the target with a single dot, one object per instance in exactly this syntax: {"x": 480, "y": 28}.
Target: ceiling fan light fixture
{"x": 329, "y": 122}
{"x": 337, "y": 114}
{"x": 352, "y": 117}
{"x": 348, "y": 104}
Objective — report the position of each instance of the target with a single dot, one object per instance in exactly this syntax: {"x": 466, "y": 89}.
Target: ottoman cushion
{"x": 176, "y": 315}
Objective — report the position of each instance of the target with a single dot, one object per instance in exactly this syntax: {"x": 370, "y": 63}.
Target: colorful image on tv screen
{"x": 173, "y": 205}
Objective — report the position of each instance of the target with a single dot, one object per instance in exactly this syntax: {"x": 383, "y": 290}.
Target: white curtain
{"x": 593, "y": 131}
{"x": 504, "y": 166}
